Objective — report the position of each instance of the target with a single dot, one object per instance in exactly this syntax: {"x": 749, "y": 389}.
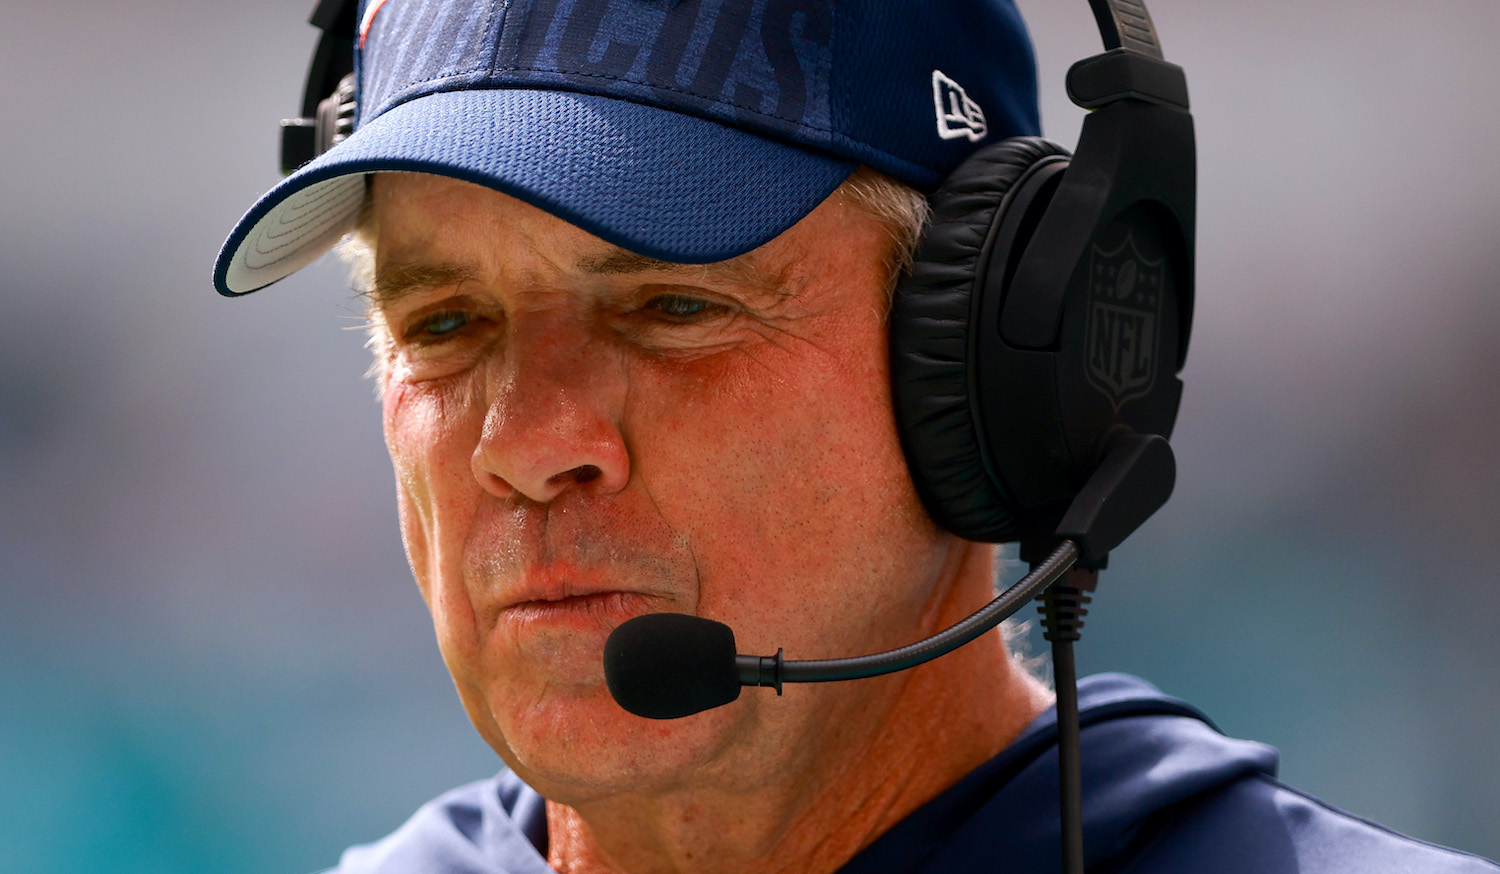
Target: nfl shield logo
{"x": 1125, "y": 291}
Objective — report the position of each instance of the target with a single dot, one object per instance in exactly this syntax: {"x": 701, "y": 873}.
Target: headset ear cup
{"x": 932, "y": 371}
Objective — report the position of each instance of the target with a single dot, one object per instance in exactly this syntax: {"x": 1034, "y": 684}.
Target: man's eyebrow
{"x": 394, "y": 281}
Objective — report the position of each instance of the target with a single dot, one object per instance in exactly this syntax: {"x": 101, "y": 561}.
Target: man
{"x": 628, "y": 267}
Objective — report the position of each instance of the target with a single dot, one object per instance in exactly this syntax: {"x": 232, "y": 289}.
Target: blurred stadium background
{"x": 211, "y": 654}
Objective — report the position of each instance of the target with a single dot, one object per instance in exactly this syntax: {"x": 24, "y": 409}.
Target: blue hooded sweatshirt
{"x": 1163, "y": 792}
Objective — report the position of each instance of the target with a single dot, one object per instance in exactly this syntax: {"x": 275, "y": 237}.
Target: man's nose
{"x": 552, "y": 425}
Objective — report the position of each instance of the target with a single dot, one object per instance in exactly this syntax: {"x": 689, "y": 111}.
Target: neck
{"x": 917, "y": 733}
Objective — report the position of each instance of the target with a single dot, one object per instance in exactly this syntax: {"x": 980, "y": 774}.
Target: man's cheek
{"x": 415, "y": 503}
{"x": 447, "y": 601}
{"x": 416, "y": 535}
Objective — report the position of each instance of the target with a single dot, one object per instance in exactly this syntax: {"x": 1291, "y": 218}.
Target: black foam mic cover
{"x": 669, "y": 665}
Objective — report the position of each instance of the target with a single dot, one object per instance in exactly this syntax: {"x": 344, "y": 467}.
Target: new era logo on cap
{"x": 957, "y": 114}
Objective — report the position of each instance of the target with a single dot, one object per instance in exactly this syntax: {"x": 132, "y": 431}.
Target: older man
{"x": 628, "y": 267}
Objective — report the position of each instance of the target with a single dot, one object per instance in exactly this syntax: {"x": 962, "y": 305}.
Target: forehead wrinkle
{"x": 615, "y": 260}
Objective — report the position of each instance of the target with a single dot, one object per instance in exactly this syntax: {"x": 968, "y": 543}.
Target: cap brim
{"x": 656, "y": 182}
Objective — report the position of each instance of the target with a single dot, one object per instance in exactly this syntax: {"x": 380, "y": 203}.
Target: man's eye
{"x": 680, "y": 307}
{"x": 440, "y": 324}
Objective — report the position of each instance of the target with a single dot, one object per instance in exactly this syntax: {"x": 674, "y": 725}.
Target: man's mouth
{"x": 604, "y": 609}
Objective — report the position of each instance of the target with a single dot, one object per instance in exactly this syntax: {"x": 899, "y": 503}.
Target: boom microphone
{"x": 666, "y": 665}
{"x": 670, "y": 665}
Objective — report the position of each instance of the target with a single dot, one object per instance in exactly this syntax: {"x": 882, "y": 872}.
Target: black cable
{"x": 1063, "y": 607}
{"x": 774, "y": 670}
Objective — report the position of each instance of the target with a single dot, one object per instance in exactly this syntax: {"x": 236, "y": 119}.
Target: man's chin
{"x": 574, "y": 744}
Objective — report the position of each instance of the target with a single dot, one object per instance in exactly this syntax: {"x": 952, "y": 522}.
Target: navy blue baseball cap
{"x": 687, "y": 130}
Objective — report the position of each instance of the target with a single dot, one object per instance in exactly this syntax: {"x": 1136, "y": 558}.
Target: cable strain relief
{"x": 1065, "y": 604}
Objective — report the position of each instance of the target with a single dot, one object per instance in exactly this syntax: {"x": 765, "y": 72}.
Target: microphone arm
{"x": 774, "y": 670}
{"x": 670, "y": 665}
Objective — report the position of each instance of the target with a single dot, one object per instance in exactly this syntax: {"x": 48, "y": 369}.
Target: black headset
{"x": 1036, "y": 344}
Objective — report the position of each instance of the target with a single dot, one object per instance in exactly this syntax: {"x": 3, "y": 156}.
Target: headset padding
{"x": 931, "y": 348}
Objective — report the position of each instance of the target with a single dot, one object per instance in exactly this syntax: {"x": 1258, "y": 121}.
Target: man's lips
{"x": 596, "y": 612}
{"x": 557, "y": 598}
{"x": 572, "y": 602}
{"x": 562, "y": 587}
{"x": 584, "y": 596}
{"x": 562, "y": 638}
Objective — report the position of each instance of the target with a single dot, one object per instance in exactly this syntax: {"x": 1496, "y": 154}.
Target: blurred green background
{"x": 211, "y": 654}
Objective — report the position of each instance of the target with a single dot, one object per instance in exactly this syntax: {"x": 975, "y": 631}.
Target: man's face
{"x": 582, "y": 435}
